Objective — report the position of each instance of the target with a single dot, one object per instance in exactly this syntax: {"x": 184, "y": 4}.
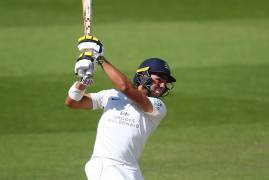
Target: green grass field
{"x": 217, "y": 124}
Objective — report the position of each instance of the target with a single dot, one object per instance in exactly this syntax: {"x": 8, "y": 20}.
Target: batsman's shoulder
{"x": 158, "y": 105}
{"x": 104, "y": 91}
{"x": 105, "y": 94}
{"x": 112, "y": 92}
{"x": 156, "y": 102}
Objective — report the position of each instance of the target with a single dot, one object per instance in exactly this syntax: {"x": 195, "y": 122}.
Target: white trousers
{"x": 99, "y": 168}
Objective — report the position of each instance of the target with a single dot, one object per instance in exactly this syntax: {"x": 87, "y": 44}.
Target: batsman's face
{"x": 158, "y": 84}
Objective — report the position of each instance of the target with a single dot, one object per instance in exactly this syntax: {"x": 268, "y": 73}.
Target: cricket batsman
{"x": 131, "y": 110}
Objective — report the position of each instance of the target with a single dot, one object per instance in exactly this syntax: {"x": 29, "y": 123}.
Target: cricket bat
{"x": 87, "y": 16}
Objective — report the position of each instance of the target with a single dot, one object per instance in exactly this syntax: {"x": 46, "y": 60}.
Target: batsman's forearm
{"x": 121, "y": 81}
{"x": 124, "y": 85}
{"x": 77, "y": 98}
{"x": 80, "y": 86}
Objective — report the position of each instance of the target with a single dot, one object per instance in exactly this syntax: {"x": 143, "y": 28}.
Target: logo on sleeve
{"x": 115, "y": 98}
{"x": 157, "y": 104}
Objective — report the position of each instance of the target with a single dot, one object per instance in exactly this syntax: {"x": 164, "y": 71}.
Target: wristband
{"x": 75, "y": 93}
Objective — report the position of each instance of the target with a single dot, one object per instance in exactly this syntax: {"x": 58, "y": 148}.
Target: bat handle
{"x": 87, "y": 12}
{"x": 87, "y": 27}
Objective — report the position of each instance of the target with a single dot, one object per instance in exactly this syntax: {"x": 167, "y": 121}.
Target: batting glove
{"x": 92, "y": 44}
{"x": 85, "y": 65}
{"x": 86, "y": 80}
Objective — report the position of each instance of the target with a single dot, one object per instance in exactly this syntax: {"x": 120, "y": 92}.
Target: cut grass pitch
{"x": 217, "y": 124}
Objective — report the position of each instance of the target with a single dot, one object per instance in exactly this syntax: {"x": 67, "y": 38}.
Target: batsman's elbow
{"x": 84, "y": 103}
{"x": 70, "y": 103}
{"x": 124, "y": 86}
{"x": 123, "y": 89}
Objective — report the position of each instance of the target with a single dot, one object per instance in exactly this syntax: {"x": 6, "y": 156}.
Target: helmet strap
{"x": 167, "y": 90}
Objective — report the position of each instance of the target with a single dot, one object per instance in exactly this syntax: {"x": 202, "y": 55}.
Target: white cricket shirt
{"x": 123, "y": 127}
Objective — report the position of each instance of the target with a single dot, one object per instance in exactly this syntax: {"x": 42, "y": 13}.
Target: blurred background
{"x": 217, "y": 124}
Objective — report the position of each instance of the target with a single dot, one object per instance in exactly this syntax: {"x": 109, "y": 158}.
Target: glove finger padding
{"x": 85, "y": 65}
{"x": 90, "y": 43}
{"x": 80, "y": 72}
{"x": 81, "y": 67}
{"x": 91, "y": 70}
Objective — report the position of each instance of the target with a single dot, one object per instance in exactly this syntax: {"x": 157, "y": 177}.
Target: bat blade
{"x": 87, "y": 16}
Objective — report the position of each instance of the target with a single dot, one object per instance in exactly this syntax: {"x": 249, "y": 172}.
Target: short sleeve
{"x": 159, "y": 110}
{"x": 98, "y": 99}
